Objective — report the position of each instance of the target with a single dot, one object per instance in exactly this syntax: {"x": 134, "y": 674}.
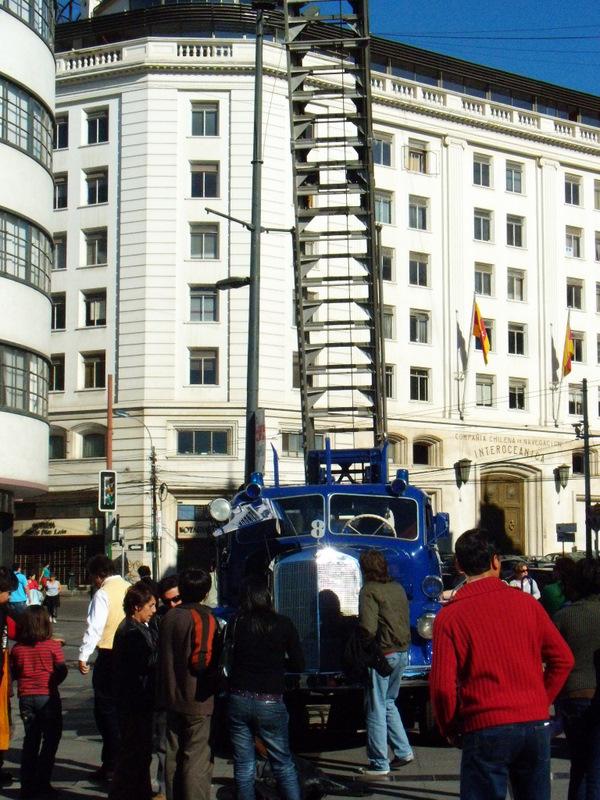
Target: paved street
{"x": 432, "y": 776}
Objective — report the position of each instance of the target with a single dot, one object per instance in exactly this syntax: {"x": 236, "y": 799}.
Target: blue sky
{"x": 552, "y": 40}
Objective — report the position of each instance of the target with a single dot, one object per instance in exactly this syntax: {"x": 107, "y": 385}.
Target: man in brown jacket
{"x": 184, "y": 695}
{"x": 383, "y": 612}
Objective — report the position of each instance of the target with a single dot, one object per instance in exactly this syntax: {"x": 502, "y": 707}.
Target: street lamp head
{"x": 235, "y": 282}
{"x": 561, "y": 475}
{"x": 462, "y": 470}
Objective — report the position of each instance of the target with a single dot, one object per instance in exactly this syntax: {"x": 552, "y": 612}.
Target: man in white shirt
{"x": 105, "y": 612}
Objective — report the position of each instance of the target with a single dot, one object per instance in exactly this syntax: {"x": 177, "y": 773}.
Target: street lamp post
{"x": 582, "y": 431}
{"x": 153, "y": 484}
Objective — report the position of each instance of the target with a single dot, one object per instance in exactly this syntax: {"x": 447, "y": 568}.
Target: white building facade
{"x": 26, "y": 129}
{"x": 487, "y": 188}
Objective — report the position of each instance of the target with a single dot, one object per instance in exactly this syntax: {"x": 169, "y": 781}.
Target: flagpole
{"x": 562, "y": 363}
{"x": 466, "y": 372}
{"x": 555, "y": 386}
{"x": 460, "y": 374}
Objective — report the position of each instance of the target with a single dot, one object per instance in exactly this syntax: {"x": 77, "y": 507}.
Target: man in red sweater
{"x": 488, "y": 682}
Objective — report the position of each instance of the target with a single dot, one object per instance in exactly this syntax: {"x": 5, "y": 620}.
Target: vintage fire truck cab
{"x": 307, "y": 540}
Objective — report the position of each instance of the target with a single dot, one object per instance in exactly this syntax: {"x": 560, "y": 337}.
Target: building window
{"x": 573, "y": 242}
{"x": 423, "y": 453}
{"x": 574, "y": 293}
{"x": 578, "y": 346}
{"x": 597, "y": 246}
{"x": 383, "y": 208}
{"x": 481, "y": 170}
{"x": 515, "y": 284}
{"x": 598, "y": 348}
{"x": 419, "y": 326}
{"x": 416, "y": 157}
{"x": 25, "y": 251}
{"x": 387, "y": 263}
{"x": 577, "y": 463}
{"x": 95, "y": 308}
{"x": 203, "y": 367}
{"x": 514, "y": 177}
{"x": 97, "y": 126}
{"x": 205, "y": 180}
{"x": 484, "y": 390}
{"x": 382, "y": 151}
{"x": 483, "y": 279}
{"x": 204, "y": 241}
{"x": 97, "y": 187}
{"x": 417, "y": 213}
{"x": 205, "y": 119}
{"x": 95, "y": 247}
{"x": 24, "y": 380}
{"x": 597, "y": 195}
{"x": 24, "y": 122}
{"x": 60, "y": 251}
{"x": 575, "y": 399}
{"x": 390, "y": 381}
{"x": 57, "y": 373}
{"x": 94, "y": 370}
{"x": 516, "y": 339}
{"x": 489, "y": 327}
{"x": 203, "y": 304}
{"x": 93, "y": 445}
{"x": 598, "y": 297}
{"x": 515, "y": 229}
{"x": 57, "y": 446}
{"x": 418, "y": 269}
{"x": 572, "y": 190}
{"x": 291, "y": 442}
{"x": 517, "y": 390}
{"x": 388, "y": 322}
{"x": 38, "y": 16}
{"x": 419, "y": 384}
{"x": 482, "y": 225}
{"x": 61, "y": 132}
{"x": 61, "y": 190}
{"x": 59, "y": 311}
{"x": 203, "y": 442}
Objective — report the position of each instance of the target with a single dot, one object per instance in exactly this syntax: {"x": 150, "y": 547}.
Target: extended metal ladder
{"x": 337, "y": 280}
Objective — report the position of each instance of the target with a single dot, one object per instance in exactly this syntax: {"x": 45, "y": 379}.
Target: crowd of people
{"x": 501, "y": 659}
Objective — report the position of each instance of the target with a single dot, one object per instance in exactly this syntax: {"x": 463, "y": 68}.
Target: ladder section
{"x": 337, "y": 279}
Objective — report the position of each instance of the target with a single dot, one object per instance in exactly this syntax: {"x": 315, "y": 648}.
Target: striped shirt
{"x": 37, "y": 668}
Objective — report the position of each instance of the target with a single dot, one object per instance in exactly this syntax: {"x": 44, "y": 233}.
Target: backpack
{"x": 205, "y": 628}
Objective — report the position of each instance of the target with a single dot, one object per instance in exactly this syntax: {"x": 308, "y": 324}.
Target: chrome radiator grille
{"x": 296, "y": 596}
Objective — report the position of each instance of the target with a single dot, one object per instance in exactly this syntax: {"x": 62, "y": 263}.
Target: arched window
{"x": 577, "y": 462}
{"x": 396, "y": 452}
{"x": 426, "y": 451}
{"x": 58, "y": 444}
{"x": 93, "y": 445}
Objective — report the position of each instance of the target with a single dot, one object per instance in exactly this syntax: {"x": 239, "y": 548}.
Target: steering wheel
{"x": 384, "y": 523}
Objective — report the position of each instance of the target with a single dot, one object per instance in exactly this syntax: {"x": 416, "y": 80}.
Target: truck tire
{"x": 427, "y": 728}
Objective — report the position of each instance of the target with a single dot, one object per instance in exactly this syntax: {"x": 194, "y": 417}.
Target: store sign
{"x": 190, "y": 529}
{"x": 79, "y": 526}
{"x": 498, "y": 445}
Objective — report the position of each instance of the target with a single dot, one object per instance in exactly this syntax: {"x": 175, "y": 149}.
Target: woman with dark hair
{"x": 265, "y": 645}
{"x": 383, "y": 613}
{"x": 135, "y": 655}
{"x": 579, "y": 623}
{"x": 38, "y": 665}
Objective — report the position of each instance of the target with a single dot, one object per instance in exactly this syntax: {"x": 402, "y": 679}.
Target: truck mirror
{"x": 441, "y": 526}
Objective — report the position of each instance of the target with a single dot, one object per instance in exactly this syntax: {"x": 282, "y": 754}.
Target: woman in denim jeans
{"x": 265, "y": 646}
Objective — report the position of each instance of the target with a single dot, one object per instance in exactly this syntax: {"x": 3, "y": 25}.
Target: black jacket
{"x": 135, "y": 656}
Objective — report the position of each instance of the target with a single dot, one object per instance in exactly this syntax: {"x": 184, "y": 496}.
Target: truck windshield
{"x": 370, "y": 515}
{"x": 298, "y": 513}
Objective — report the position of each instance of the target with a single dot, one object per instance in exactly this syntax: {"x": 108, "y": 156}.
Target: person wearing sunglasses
{"x": 168, "y": 591}
{"x": 521, "y": 579}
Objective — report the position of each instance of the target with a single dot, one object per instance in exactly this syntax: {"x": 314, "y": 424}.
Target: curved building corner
{"x": 26, "y": 251}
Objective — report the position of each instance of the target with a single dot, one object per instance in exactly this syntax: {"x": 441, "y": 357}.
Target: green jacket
{"x": 383, "y": 612}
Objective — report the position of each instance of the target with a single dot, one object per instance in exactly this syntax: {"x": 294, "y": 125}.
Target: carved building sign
{"x": 496, "y": 446}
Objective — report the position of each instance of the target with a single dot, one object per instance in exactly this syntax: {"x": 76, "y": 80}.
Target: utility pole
{"x": 108, "y": 517}
{"x": 255, "y": 232}
{"x": 586, "y": 471}
{"x": 155, "y": 554}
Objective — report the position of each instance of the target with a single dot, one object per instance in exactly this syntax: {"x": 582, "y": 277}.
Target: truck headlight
{"x": 432, "y": 586}
{"x": 220, "y": 510}
{"x": 425, "y": 625}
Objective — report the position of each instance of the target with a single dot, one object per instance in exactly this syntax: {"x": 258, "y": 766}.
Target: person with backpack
{"x": 135, "y": 656}
{"x": 265, "y": 645}
{"x": 185, "y": 689}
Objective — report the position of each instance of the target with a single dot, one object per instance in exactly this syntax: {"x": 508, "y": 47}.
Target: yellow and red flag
{"x": 568, "y": 351}
{"x": 480, "y": 332}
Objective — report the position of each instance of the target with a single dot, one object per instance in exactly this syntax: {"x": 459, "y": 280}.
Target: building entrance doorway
{"x": 503, "y": 510}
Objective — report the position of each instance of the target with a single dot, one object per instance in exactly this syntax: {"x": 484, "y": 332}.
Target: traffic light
{"x": 107, "y": 490}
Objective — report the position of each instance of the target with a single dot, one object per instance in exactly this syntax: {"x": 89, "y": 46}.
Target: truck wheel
{"x": 427, "y": 727}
